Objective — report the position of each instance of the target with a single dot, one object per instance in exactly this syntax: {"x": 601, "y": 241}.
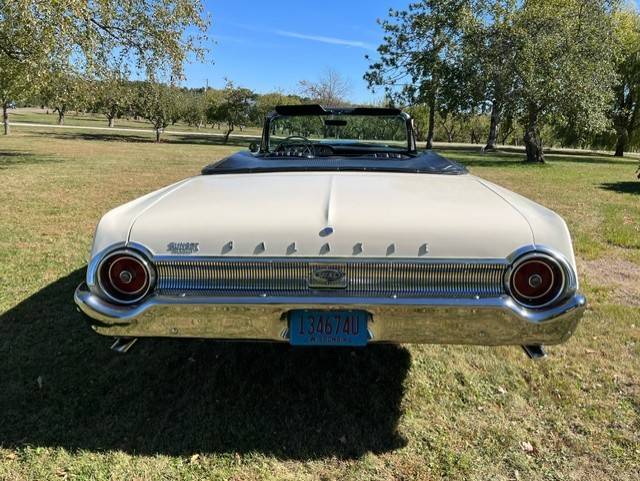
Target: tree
{"x": 152, "y": 36}
{"x": 159, "y": 104}
{"x": 331, "y": 89}
{"x": 15, "y": 84}
{"x": 112, "y": 96}
{"x": 417, "y": 60}
{"x": 449, "y": 123}
{"x": 537, "y": 60}
{"x": 65, "y": 91}
{"x": 194, "y": 111}
{"x": 266, "y": 103}
{"x": 213, "y": 99}
{"x": 235, "y": 108}
{"x": 420, "y": 115}
{"x": 624, "y": 113}
{"x": 565, "y": 53}
{"x": 22, "y": 51}
{"x": 490, "y": 54}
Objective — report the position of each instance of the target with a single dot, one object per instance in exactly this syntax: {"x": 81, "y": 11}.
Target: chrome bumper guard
{"x": 484, "y": 321}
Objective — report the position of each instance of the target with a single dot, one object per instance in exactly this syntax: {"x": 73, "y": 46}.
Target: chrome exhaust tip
{"x": 535, "y": 351}
{"x": 122, "y": 345}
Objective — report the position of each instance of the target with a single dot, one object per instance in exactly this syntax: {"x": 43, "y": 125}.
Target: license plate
{"x": 328, "y": 328}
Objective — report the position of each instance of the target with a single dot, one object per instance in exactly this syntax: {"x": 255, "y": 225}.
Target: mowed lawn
{"x": 72, "y": 409}
{"x": 35, "y": 115}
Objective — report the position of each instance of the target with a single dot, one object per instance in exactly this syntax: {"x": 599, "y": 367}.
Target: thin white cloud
{"x": 330, "y": 40}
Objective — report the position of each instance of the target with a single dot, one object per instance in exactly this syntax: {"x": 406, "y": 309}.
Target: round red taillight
{"x": 125, "y": 277}
{"x": 536, "y": 281}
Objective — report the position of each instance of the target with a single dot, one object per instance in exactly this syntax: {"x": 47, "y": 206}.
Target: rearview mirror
{"x": 254, "y": 147}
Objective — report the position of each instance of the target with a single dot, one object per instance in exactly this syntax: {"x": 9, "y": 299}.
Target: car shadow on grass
{"x": 63, "y": 387}
{"x": 628, "y": 187}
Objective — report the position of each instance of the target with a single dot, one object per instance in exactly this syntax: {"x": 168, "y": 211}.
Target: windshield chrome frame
{"x": 264, "y": 143}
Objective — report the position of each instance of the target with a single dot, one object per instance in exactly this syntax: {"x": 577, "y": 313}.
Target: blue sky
{"x": 269, "y": 45}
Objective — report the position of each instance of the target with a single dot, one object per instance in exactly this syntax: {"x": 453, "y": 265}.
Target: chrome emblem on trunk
{"x": 327, "y": 277}
{"x": 183, "y": 247}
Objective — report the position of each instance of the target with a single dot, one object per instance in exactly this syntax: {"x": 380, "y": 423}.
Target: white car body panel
{"x": 548, "y": 228}
{"x": 390, "y": 214}
{"x": 115, "y": 225}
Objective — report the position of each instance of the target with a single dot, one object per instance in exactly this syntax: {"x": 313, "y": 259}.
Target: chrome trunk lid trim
{"x": 364, "y": 277}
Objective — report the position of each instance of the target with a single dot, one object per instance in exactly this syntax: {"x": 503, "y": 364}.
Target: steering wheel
{"x": 297, "y": 140}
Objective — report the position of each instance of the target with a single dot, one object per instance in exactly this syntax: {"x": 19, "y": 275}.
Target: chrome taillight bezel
{"x": 110, "y": 292}
{"x": 568, "y": 278}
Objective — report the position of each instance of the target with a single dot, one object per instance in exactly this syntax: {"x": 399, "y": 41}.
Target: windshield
{"x": 379, "y": 132}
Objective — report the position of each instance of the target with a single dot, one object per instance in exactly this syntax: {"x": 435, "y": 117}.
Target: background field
{"x": 79, "y": 119}
{"x": 71, "y": 409}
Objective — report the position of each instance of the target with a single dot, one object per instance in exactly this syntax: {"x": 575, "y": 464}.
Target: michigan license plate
{"x": 328, "y": 328}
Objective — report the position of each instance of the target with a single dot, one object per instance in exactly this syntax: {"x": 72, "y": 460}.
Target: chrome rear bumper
{"x": 485, "y": 321}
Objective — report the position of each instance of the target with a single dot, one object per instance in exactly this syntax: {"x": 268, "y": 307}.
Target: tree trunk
{"x": 111, "y": 121}
{"x": 229, "y": 130}
{"x": 5, "y": 118}
{"x": 621, "y": 144}
{"x": 60, "y": 117}
{"x": 532, "y": 139}
{"x": 505, "y": 135}
{"x": 432, "y": 121}
{"x": 493, "y": 127}
{"x": 158, "y": 133}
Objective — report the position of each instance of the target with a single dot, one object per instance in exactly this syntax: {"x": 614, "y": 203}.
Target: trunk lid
{"x": 334, "y": 215}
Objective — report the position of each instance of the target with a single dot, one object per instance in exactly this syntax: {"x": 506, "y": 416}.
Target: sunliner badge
{"x": 183, "y": 247}
{"x": 327, "y": 277}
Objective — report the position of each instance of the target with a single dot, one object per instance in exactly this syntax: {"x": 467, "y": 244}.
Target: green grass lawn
{"x": 196, "y": 410}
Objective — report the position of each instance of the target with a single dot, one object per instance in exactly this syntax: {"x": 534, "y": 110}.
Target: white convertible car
{"x": 334, "y": 230}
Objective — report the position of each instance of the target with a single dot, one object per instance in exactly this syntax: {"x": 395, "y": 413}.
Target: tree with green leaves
{"x": 625, "y": 113}
{"x": 23, "y": 52}
{"x": 235, "y": 107}
{"x": 564, "y": 69}
{"x": 65, "y": 91}
{"x": 15, "y": 84}
{"x": 266, "y": 103}
{"x": 152, "y": 36}
{"x": 418, "y": 58}
{"x": 538, "y": 60}
{"x": 160, "y": 104}
{"x": 489, "y": 54}
{"x": 194, "y": 108}
{"x": 112, "y": 96}
{"x": 213, "y": 98}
